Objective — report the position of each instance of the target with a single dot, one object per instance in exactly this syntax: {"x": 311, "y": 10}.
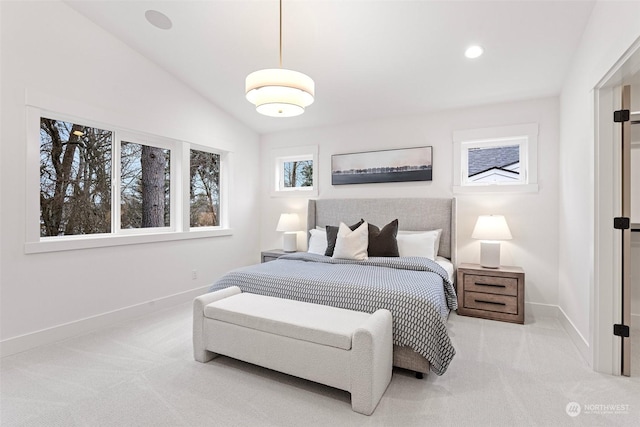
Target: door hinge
{"x": 621, "y": 223}
{"x": 621, "y": 330}
{"x": 621, "y": 116}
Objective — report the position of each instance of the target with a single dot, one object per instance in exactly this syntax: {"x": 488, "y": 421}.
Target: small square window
{"x": 295, "y": 171}
{"x": 497, "y": 162}
{"x": 496, "y": 159}
{"x": 295, "y": 174}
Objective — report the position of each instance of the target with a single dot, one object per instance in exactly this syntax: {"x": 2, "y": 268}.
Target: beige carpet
{"x": 142, "y": 373}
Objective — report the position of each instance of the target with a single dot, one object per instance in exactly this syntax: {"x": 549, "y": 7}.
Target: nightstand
{"x": 491, "y": 293}
{"x": 274, "y": 254}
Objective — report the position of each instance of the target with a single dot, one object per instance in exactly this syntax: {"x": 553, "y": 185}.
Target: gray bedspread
{"x": 416, "y": 290}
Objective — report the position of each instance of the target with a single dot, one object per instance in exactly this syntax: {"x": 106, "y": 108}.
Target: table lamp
{"x": 290, "y": 224}
{"x": 490, "y": 229}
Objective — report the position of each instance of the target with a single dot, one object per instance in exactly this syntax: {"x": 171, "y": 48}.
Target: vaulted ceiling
{"x": 369, "y": 59}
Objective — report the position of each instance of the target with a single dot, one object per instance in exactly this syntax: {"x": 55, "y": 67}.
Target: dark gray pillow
{"x": 332, "y": 236}
{"x": 383, "y": 242}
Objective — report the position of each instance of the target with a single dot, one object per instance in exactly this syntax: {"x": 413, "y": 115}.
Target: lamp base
{"x": 490, "y": 254}
{"x": 290, "y": 241}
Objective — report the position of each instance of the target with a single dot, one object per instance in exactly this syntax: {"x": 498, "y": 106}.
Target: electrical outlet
{"x": 194, "y": 274}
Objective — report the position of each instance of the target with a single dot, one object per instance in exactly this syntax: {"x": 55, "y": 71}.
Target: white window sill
{"x": 513, "y": 188}
{"x": 107, "y": 240}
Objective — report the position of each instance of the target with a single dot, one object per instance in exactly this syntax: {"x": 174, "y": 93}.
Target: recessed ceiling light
{"x": 474, "y": 51}
{"x": 158, "y": 19}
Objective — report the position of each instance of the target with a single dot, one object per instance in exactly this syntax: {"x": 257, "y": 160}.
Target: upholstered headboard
{"x": 412, "y": 214}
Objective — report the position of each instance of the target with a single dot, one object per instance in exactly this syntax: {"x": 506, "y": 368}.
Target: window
{"x": 204, "y": 189}
{"x": 145, "y": 191}
{"x": 93, "y": 185}
{"x": 75, "y": 178}
{"x": 493, "y": 162}
{"x": 496, "y": 159}
{"x": 295, "y": 171}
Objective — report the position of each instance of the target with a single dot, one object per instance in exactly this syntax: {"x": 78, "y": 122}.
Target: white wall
{"x": 49, "y": 48}
{"x": 532, "y": 217}
{"x": 612, "y": 29}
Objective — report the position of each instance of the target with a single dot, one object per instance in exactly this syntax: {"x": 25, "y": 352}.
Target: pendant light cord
{"x": 280, "y": 33}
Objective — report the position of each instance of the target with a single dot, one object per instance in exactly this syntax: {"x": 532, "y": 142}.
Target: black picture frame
{"x": 394, "y": 165}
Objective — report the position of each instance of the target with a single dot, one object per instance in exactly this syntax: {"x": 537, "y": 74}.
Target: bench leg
{"x": 371, "y": 362}
{"x": 200, "y": 353}
{"x": 204, "y": 356}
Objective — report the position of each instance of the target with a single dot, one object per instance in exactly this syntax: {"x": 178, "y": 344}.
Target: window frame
{"x": 174, "y": 166}
{"x": 281, "y": 156}
{"x": 66, "y": 118}
{"x": 463, "y": 140}
{"x": 39, "y": 105}
{"x": 222, "y": 187}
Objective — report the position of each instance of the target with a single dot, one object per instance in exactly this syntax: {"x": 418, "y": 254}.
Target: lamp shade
{"x": 288, "y": 222}
{"x": 278, "y": 92}
{"x": 491, "y": 227}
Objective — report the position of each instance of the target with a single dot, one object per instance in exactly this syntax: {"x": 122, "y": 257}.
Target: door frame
{"x": 625, "y": 178}
{"x": 606, "y": 294}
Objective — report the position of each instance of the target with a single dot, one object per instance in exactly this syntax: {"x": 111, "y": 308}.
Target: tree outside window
{"x": 75, "y": 179}
{"x": 103, "y": 182}
{"x": 145, "y": 196}
{"x": 204, "y": 181}
{"x": 295, "y": 171}
{"x": 298, "y": 174}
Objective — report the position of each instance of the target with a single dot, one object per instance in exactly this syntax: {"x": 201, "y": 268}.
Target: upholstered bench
{"x": 345, "y": 349}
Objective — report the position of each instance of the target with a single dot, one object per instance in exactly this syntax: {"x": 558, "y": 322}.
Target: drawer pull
{"x": 490, "y": 302}
{"x": 489, "y": 284}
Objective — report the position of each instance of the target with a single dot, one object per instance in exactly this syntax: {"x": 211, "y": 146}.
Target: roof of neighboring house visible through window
{"x": 484, "y": 159}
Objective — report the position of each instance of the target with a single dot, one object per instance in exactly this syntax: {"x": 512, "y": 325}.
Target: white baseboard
{"x": 635, "y": 320}
{"x": 535, "y": 309}
{"x": 578, "y": 340}
{"x": 547, "y": 310}
{"x": 82, "y": 326}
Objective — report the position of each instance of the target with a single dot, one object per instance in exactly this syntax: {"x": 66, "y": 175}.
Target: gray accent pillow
{"x": 332, "y": 235}
{"x": 383, "y": 242}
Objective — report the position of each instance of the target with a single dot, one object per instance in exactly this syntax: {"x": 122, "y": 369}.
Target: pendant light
{"x": 278, "y": 92}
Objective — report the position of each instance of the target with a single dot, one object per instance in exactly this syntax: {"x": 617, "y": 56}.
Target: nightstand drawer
{"x": 491, "y": 284}
{"x": 274, "y": 254}
{"x": 491, "y": 302}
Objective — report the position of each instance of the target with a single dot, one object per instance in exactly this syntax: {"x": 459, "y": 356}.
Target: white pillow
{"x": 317, "y": 242}
{"x": 439, "y": 231}
{"x": 424, "y": 244}
{"x": 352, "y": 244}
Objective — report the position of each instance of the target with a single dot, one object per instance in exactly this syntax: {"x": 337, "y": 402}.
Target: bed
{"x": 418, "y": 292}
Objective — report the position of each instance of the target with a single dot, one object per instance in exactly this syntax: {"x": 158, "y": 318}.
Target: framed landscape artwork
{"x": 399, "y": 165}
